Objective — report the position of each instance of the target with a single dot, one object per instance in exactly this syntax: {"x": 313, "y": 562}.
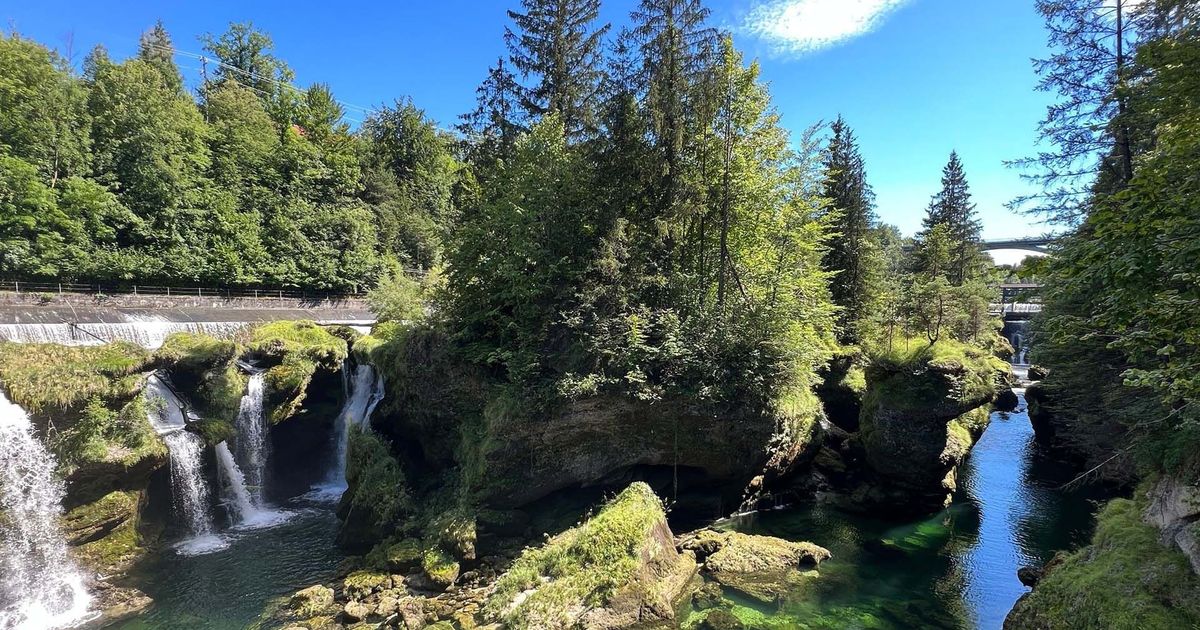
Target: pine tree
{"x": 851, "y": 254}
{"x": 557, "y": 44}
{"x": 491, "y": 129}
{"x": 156, "y": 49}
{"x": 952, "y": 207}
{"x": 677, "y": 50}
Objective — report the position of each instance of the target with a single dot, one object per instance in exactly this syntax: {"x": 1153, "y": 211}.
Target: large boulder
{"x": 921, "y": 415}
{"x": 617, "y": 569}
{"x": 764, "y": 568}
{"x": 512, "y": 449}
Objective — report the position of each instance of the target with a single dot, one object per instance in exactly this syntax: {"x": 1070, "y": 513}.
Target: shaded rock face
{"x": 1174, "y": 508}
{"x": 841, "y": 390}
{"x": 918, "y": 424}
{"x": 442, "y": 415}
{"x": 1093, "y": 441}
{"x": 599, "y": 438}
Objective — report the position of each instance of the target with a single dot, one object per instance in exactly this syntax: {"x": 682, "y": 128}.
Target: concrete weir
{"x": 86, "y": 320}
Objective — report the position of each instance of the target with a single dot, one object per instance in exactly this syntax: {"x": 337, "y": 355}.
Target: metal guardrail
{"x": 49, "y": 288}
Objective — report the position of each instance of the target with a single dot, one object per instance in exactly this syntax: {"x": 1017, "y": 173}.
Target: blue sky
{"x": 914, "y": 78}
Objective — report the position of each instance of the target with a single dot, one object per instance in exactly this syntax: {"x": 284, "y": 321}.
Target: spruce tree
{"x": 558, "y": 45}
{"x": 953, "y": 208}
{"x": 491, "y": 129}
{"x": 677, "y": 49}
{"x": 851, "y": 254}
{"x": 155, "y": 48}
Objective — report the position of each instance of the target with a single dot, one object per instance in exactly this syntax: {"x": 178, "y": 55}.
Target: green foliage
{"x": 378, "y": 497}
{"x": 853, "y": 254}
{"x": 1118, "y": 325}
{"x": 584, "y": 565}
{"x": 120, "y": 175}
{"x": 397, "y": 297}
{"x": 102, "y": 434}
{"x": 1124, "y": 579}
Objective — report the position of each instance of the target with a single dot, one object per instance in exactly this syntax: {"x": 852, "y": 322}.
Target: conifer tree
{"x": 156, "y": 49}
{"x": 491, "y": 128}
{"x": 952, "y": 207}
{"x": 558, "y": 45}
{"x": 677, "y": 49}
{"x": 851, "y": 253}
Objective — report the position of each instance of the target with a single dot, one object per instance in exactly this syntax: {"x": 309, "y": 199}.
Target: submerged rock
{"x": 616, "y": 570}
{"x": 761, "y": 567}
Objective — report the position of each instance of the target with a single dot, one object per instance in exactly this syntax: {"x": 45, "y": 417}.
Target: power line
{"x": 252, "y": 76}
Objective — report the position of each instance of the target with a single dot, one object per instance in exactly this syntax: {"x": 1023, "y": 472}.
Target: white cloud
{"x": 803, "y": 26}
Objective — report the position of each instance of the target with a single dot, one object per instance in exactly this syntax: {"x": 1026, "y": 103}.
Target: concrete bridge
{"x": 1038, "y": 244}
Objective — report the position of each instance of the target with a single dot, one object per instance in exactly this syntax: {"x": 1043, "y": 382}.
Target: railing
{"x": 48, "y": 288}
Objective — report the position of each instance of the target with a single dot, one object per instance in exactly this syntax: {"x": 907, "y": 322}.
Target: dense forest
{"x": 121, "y": 174}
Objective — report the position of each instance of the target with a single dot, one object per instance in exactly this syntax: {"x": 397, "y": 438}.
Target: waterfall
{"x": 189, "y": 488}
{"x": 233, "y": 486}
{"x": 366, "y": 390}
{"x": 252, "y": 447}
{"x": 143, "y": 330}
{"x": 40, "y": 586}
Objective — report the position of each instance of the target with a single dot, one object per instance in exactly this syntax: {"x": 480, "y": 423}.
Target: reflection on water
{"x": 956, "y": 569}
{"x": 230, "y": 588}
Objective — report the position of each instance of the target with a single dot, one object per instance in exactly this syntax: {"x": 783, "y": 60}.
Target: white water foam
{"x": 40, "y": 586}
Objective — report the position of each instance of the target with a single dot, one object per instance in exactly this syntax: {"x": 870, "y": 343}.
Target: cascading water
{"x": 145, "y": 331}
{"x": 189, "y": 488}
{"x": 40, "y": 586}
{"x": 233, "y": 486}
{"x": 366, "y": 390}
{"x": 252, "y": 446}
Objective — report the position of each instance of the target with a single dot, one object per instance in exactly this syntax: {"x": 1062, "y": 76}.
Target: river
{"x": 955, "y": 569}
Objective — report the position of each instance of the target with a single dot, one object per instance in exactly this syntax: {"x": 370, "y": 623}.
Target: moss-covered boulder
{"x": 1124, "y": 579}
{"x": 295, "y": 352}
{"x": 922, "y": 413}
{"x": 617, "y": 569}
{"x": 764, "y": 568}
{"x": 105, "y": 533}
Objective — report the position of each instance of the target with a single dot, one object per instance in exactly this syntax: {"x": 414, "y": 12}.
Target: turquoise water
{"x": 228, "y": 589}
{"x": 956, "y": 569}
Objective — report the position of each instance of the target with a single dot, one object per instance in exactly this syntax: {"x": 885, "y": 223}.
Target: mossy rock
{"x": 313, "y": 601}
{"x": 189, "y": 355}
{"x": 842, "y": 387}
{"x": 617, "y": 569}
{"x": 361, "y": 584}
{"x": 1125, "y": 578}
{"x": 770, "y": 570}
{"x": 439, "y": 566}
{"x": 923, "y": 411}
{"x": 403, "y": 556}
{"x": 57, "y": 382}
{"x": 104, "y": 533}
{"x": 294, "y": 352}
{"x": 377, "y": 500}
